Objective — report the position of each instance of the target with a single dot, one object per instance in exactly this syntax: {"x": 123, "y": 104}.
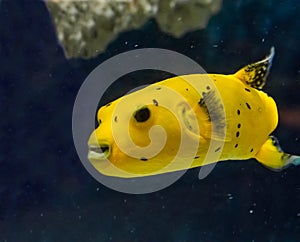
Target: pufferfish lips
{"x": 98, "y": 149}
{"x": 99, "y": 152}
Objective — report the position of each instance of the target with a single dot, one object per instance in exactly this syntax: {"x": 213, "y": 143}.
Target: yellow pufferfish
{"x": 231, "y": 110}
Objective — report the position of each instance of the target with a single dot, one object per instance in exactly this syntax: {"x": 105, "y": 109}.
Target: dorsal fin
{"x": 255, "y": 74}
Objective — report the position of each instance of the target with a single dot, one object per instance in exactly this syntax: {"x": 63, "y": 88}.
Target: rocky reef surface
{"x": 85, "y": 28}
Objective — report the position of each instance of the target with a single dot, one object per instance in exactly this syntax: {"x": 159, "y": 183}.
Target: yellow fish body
{"x": 169, "y": 125}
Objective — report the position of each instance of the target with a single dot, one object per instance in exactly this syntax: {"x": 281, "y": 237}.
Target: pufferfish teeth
{"x": 98, "y": 152}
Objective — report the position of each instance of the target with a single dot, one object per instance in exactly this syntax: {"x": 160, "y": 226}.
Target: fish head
{"x": 139, "y": 134}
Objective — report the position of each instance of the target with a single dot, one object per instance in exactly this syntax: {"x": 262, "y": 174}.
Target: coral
{"x": 86, "y": 27}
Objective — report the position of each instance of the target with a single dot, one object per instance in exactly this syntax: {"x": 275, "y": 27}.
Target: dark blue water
{"x": 47, "y": 195}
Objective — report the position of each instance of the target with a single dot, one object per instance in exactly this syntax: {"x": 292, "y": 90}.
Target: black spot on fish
{"x": 251, "y": 150}
{"x": 99, "y": 121}
{"x": 142, "y": 114}
{"x": 237, "y": 134}
{"x": 155, "y": 102}
{"x": 239, "y": 125}
{"x": 186, "y": 89}
{"x": 206, "y": 94}
{"x": 143, "y": 159}
{"x": 107, "y": 104}
{"x": 238, "y": 112}
{"x": 248, "y": 90}
{"x": 116, "y": 119}
{"x": 201, "y": 102}
{"x": 196, "y": 157}
{"x": 208, "y": 88}
{"x": 158, "y": 88}
{"x": 236, "y": 145}
{"x": 248, "y": 105}
{"x": 218, "y": 149}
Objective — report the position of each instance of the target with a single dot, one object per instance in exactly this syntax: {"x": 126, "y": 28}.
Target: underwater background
{"x": 47, "y": 195}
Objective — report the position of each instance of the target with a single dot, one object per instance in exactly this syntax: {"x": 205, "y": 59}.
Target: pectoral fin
{"x": 216, "y": 121}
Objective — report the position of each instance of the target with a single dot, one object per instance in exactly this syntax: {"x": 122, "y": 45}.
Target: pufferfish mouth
{"x": 98, "y": 152}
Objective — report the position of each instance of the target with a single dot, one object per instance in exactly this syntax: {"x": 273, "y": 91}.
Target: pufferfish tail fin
{"x": 272, "y": 156}
{"x": 255, "y": 74}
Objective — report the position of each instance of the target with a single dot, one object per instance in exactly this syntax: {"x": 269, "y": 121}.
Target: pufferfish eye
{"x": 142, "y": 114}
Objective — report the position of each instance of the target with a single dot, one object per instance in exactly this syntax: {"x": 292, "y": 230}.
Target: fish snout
{"x": 99, "y": 151}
